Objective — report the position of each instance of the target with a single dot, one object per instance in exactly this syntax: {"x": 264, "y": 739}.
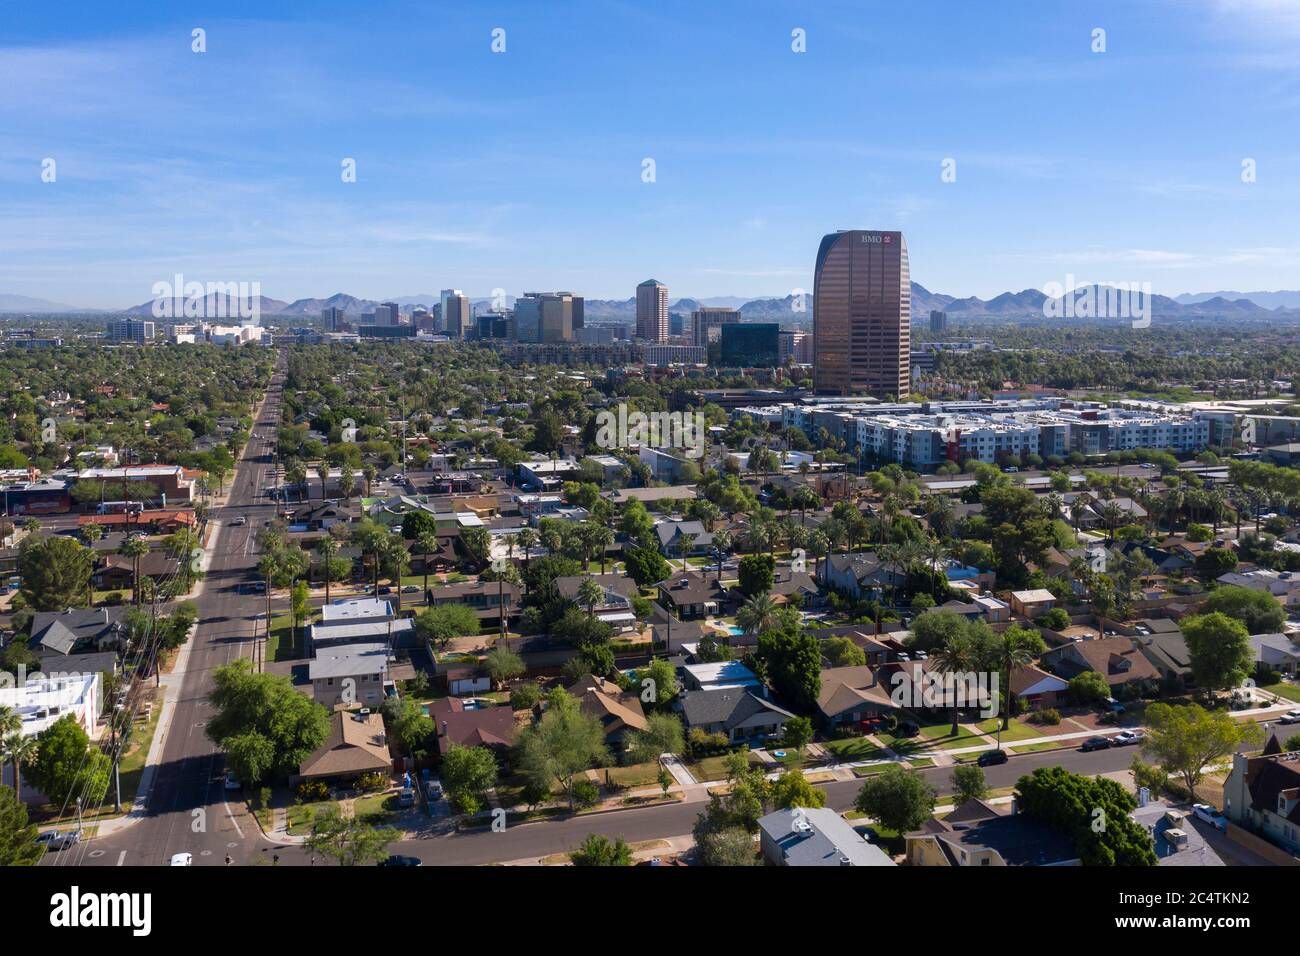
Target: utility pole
{"x": 153, "y": 631}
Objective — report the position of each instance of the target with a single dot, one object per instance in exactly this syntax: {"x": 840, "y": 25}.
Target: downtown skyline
{"x": 523, "y": 170}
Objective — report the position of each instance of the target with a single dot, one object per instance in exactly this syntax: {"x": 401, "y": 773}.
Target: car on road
{"x": 241, "y": 520}
{"x": 1126, "y": 737}
{"x": 1210, "y": 815}
{"x": 1290, "y": 717}
{"x": 257, "y": 587}
{"x": 59, "y": 839}
{"x": 990, "y": 758}
{"x": 1095, "y": 743}
{"x": 232, "y": 781}
{"x": 411, "y": 589}
{"x": 399, "y": 860}
{"x": 182, "y": 859}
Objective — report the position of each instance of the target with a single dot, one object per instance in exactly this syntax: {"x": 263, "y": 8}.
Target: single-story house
{"x": 737, "y": 712}
{"x": 617, "y": 710}
{"x": 1037, "y": 688}
{"x": 815, "y": 836}
{"x": 1118, "y": 659}
{"x": 851, "y": 695}
{"x": 977, "y": 834}
{"x": 1032, "y": 603}
{"x": 356, "y": 745}
{"x": 456, "y": 725}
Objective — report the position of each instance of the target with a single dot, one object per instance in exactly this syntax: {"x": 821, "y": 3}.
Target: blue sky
{"x": 522, "y": 170}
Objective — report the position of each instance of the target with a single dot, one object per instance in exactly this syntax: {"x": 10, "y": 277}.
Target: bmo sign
{"x": 876, "y": 237}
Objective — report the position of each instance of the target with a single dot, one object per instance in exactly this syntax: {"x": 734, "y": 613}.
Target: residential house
{"x": 977, "y": 834}
{"x": 728, "y": 674}
{"x": 796, "y": 588}
{"x": 467, "y": 680}
{"x": 1162, "y": 643}
{"x": 1262, "y": 795}
{"x": 40, "y": 703}
{"x": 815, "y": 836}
{"x": 617, "y": 710}
{"x": 485, "y": 598}
{"x": 1175, "y": 836}
{"x": 1118, "y": 659}
{"x": 1276, "y": 652}
{"x": 116, "y": 572}
{"x": 461, "y": 725}
{"x": 690, "y": 595}
{"x": 66, "y": 640}
{"x": 1032, "y": 603}
{"x": 1036, "y": 688}
{"x": 852, "y": 696}
{"x": 861, "y": 575}
{"x": 670, "y": 535}
{"x": 737, "y": 712}
{"x": 356, "y": 745}
{"x": 350, "y": 675}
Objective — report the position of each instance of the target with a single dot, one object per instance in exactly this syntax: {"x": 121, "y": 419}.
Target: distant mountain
{"x": 1027, "y": 304}
{"x": 26, "y": 305}
{"x": 1282, "y": 299}
{"x": 216, "y": 305}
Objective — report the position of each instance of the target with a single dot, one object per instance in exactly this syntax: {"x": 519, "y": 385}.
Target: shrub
{"x": 701, "y": 744}
{"x": 372, "y": 781}
{"x": 310, "y": 790}
{"x": 1048, "y": 715}
{"x": 113, "y": 598}
{"x": 586, "y": 793}
{"x": 525, "y": 696}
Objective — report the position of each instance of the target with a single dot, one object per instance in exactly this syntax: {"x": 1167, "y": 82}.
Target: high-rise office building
{"x": 544, "y": 317}
{"x": 795, "y": 346}
{"x": 750, "y": 345}
{"x": 387, "y": 313}
{"x": 862, "y": 314}
{"x": 938, "y": 321}
{"x": 707, "y": 323}
{"x": 331, "y": 318}
{"x": 652, "y": 311}
{"x": 454, "y": 307}
{"x": 138, "y": 331}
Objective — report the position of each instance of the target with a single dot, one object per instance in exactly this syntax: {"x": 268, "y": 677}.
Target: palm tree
{"x": 721, "y": 544}
{"x": 600, "y": 538}
{"x": 135, "y": 549}
{"x": 368, "y": 473}
{"x": 426, "y": 542}
{"x": 757, "y": 615}
{"x": 347, "y": 482}
{"x": 327, "y": 550}
{"x": 527, "y": 541}
{"x": 958, "y": 656}
{"x": 1015, "y": 647}
{"x": 589, "y": 595}
{"x": 10, "y": 720}
{"x": 19, "y": 751}
{"x": 323, "y": 473}
{"x": 685, "y": 541}
{"x": 296, "y": 474}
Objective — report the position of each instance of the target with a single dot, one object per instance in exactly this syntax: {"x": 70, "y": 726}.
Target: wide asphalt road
{"x": 186, "y": 809}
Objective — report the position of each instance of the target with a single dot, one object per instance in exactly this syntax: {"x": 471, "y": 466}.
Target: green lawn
{"x": 871, "y": 770}
{"x": 1016, "y": 730}
{"x": 1046, "y": 745}
{"x": 1289, "y": 691}
{"x": 283, "y": 644}
{"x": 919, "y": 762}
{"x": 854, "y": 748}
{"x": 634, "y": 776}
{"x": 938, "y": 736}
{"x": 377, "y": 808}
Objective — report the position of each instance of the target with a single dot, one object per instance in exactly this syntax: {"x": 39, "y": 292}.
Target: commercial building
{"x": 751, "y": 345}
{"x": 138, "y": 331}
{"x": 652, "y": 311}
{"x": 544, "y": 317}
{"x": 938, "y": 321}
{"x": 862, "y": 314}
{"x": 795, "y": 346}
{"x": 707, "y": 323}
{"x": 332, "y": 319}
{"x": 39, "y": 704}
{"x": 387, "y": 313}
{"x": 663, "y": 356}
{"x": 456, "y": 311}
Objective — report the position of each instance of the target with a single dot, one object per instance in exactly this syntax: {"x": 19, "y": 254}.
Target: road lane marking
{"x": 121, "y": 858}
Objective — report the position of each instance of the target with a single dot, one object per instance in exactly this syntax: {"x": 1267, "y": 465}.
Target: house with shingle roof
{"x": 851, "y": 695}
{"x": 977, "y": 834}
{"x": 1262, "y": 795}
{"x": 460, "y": 725}
{"x": 617, "y": 710}
{"x": 1118, "y": 659}
{"x": 738, "y": 712}
{"x": 356, "y": 745}
{"x": 60, "y": 635}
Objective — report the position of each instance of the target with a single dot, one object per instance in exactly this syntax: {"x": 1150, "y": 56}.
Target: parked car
{"x": 1290, "y": 717}
{"x": 232, "y": 781}
{"x": 411, "y": 589}
{"x": 1126, "y": 737}
{"x": 182, "y": 859}
{"x": 59, "y": 839}
{"x": 398, "y": 860}
{"x": 432, "y": 790}
{"x": 1210, "y": 815}
{"x": 1114, "y": 706}
{"x": 990, "y": 758}
{"x": 406, "y": 798}
{"x": 1095, "y": 743}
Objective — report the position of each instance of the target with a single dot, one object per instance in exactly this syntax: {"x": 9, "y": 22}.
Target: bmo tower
{"x": 862, "y": 315}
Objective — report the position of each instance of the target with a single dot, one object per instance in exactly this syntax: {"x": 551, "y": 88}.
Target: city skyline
{"x": 226, "y": 164}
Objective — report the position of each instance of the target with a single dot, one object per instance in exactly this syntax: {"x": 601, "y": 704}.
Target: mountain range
{"x": 1025, "y": 304}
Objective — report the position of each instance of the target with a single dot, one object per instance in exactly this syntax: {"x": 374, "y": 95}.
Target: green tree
{"x": 18, "y": 846}
{"x": 410, "y": 726}
{"x": 792, "y": 660}
{"x": 757, "y": 573}
{"x": 1094, "y": 812}
{"x": 646, "y": 566}
{"x": 968, "y": 783}
{"x": 66, "y": 765}
{"x": 663, "y": 735}
{"x": 266, "y": 727}
{"x": 560, "y": 746}
{"x": 1184, "y": 740}
{"x": 1089, "y": 688}
{"x": 899, "y": 799}
{"x": 726, "y": 846}
{"x": 597, "y": 850}
{"x": 662, "y": 678}
{"x": 842, "y": 652}
{"x": 443, "y": 622}
{"x": 468, "y": 773}
{"x": 55, "y": 573}
{"x": 350, "y": 842}
{"x": 1220, "y": 650}
{"x": 792, "y": 789}
{"x": 503, "y": 664}
{"x": 798, "y": 733}
{"x": 1258, "y": 610}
